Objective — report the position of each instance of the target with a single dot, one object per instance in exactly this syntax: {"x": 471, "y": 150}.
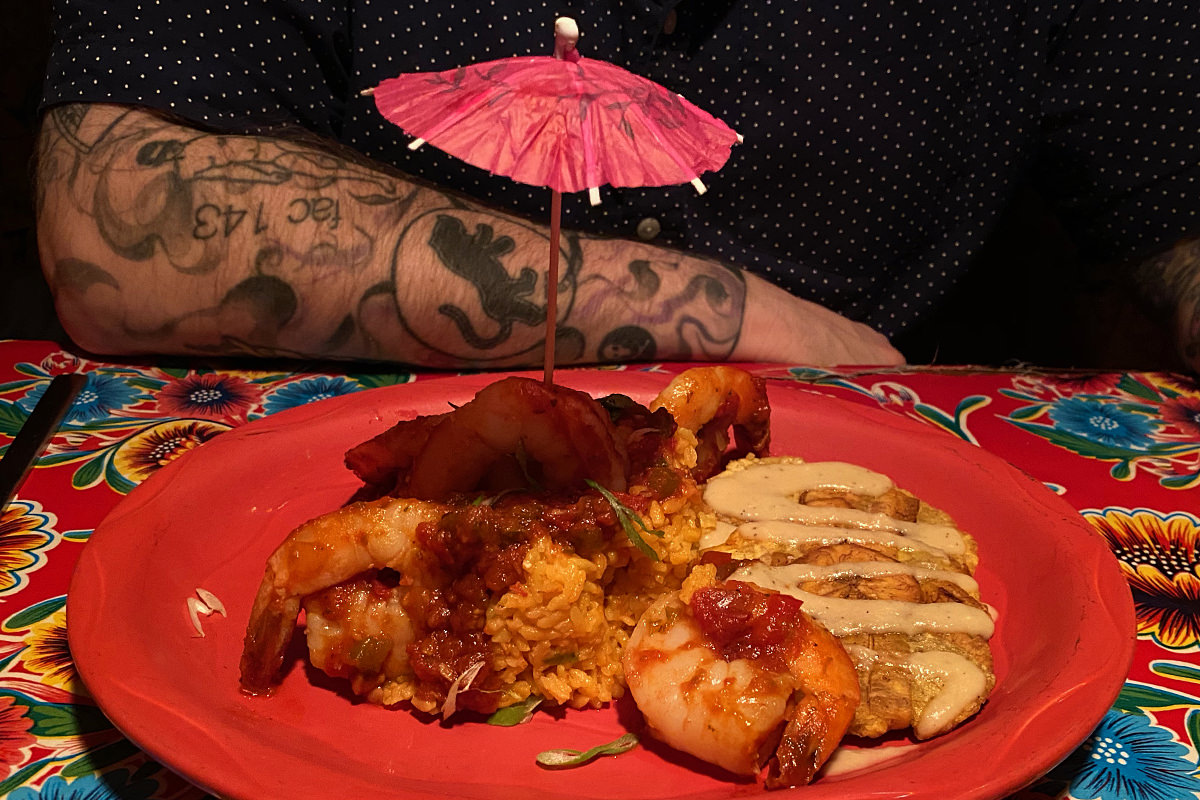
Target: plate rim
{"x": 1116, "y": 609}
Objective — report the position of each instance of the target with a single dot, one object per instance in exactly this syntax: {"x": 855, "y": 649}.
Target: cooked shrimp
{"x": 321, "y": 553}
{"x": 386, "y": 459}
{"x": 743, "y": 679}
{"x": 358, "y": 630}
{"x": 708, "y": 401}
{"x": 519, "y": 433}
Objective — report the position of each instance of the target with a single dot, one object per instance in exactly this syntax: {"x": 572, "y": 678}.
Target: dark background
{"x": 1029, "y": 301}
{"x": 26, "y": 310}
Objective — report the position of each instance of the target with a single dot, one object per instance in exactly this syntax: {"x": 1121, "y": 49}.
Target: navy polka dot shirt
{"x": 882, "y": 137}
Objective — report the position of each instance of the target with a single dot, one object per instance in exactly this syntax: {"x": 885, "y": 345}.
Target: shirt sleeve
{"x": 1121, "y": 136}
{"x": 236, "y": 66}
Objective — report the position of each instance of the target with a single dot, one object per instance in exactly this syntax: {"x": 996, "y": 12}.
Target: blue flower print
{"x": 100, "y": 396}
{"x": 114, "y": 785}
{"x": 1129, "y": 758}
{"x": 1104, "y": 423}
{"x": 309, "y": 390}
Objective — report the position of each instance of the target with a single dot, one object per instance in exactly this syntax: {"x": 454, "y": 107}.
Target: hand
{"x": 1171, "y": 282}
{"x": 781, "y": 327}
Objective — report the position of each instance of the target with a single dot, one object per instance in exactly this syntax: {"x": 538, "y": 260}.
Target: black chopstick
{"x": 31, "y": 439}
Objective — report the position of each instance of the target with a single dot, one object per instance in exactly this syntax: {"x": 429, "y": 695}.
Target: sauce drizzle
{"x": 759, "y": 501}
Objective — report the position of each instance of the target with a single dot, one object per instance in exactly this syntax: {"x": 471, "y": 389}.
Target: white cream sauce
{"x": 933, "y": 539}
{"x": 765, "y": 498}
{"x": 770, "y": 492}
{"x": 718, "y": 535}
{"x": 962, "y": 682}
{"x": 874, "y": 569}
{"x": 846, "y": 760}
{"x": 845, "y": 617}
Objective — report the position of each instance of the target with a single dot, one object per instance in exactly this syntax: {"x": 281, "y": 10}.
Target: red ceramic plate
{"x": 1063, "y": 645}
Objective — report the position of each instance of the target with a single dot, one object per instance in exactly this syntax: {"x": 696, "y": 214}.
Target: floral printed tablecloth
{"x": 1122, "y": 448}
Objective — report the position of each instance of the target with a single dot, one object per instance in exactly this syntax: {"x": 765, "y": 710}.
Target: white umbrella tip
{"x": 566, "y": 28}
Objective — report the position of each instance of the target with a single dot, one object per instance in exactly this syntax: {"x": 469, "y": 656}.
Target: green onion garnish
{"x": 516, "y": 713}
{"x": 630, "y": 521}
{"x": 565, "y": 758}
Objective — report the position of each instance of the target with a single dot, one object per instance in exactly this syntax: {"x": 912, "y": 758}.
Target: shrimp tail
{"x": 709, "y": 401}
{"x": 272, "y": 621}
{"x": 823, "y": 709}
{"x": 752, "y": 428}
{"x": 320, "y": 553}
{"x": 813, "y": 731}
{"x": 384, "y": 462}
{"x": 742, "y": 677}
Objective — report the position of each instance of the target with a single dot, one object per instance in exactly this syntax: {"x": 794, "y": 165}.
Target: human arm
{"x": 160, "y": 238}
{"x": 1171, "y": 281}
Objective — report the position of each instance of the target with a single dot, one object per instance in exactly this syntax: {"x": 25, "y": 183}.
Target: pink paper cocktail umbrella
{"x": 565, "y": 122}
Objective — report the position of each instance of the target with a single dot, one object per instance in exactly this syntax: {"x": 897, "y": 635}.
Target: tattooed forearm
{"x": 158, "y": 237}
{"x": 1171, "y": 281}
{"x": 695, "y": 311}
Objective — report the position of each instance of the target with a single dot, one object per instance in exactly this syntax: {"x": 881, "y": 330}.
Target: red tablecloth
{"x": 1122, "y": 448}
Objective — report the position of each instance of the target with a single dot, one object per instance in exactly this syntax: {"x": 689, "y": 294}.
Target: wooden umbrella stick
{"x": 552, "y": 285}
